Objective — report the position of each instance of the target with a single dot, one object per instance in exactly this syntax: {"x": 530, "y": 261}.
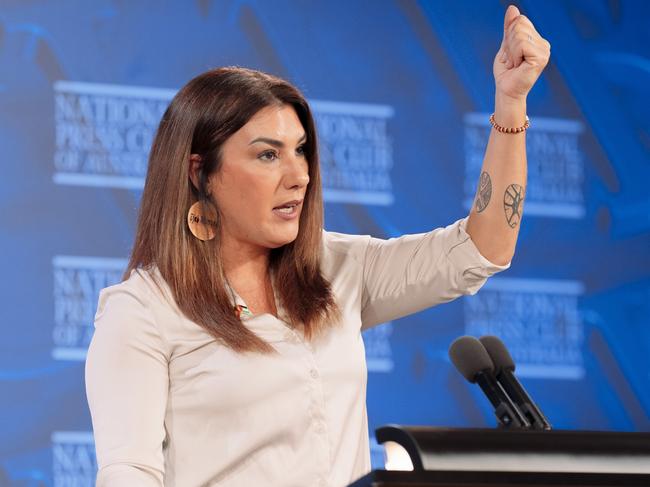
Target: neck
{"x": 245, "y": 266}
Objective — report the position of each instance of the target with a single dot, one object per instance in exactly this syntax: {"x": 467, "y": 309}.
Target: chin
{"x": 277, "y": 241}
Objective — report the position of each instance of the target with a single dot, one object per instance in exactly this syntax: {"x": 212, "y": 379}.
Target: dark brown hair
{"x": 201, "y": 117}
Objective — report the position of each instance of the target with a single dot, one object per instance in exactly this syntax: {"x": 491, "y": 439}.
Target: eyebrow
{"x": 274, "y": 142}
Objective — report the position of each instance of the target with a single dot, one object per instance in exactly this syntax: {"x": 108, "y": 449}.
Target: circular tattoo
{"x": 484, "y": 192}
{"x": 513, "y": 200}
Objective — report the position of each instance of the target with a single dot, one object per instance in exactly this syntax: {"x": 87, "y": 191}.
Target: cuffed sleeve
{"x": 413, "y": 272}
{"x": 126, "y": 386}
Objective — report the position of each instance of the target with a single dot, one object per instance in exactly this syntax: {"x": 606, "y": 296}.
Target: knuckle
{"x": 520, "y": 39}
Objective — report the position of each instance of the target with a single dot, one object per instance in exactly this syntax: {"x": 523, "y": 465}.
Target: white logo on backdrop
{"x": 555, "y": 165}
{"x": 73, "y": 459}
{"x": 356, "y": 152}
{"x": 104, "y": 133}
{"x": 538, "y": 319}
{"x": 77, "y": 282}
{"x": 379, "y": 355}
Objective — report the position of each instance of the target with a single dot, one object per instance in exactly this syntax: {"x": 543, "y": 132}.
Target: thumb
{"x": 512, "y": 13}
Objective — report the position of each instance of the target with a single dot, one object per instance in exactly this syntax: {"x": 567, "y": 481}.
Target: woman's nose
{"x": 297, "y": 174}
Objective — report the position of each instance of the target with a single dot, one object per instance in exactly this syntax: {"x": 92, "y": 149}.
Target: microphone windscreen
{"x": 469, "y": 357}
{"x": 498, "y": 353}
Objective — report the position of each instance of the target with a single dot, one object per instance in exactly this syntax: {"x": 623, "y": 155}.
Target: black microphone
{"x": 504, "y": 368}
{"x": 473, "y": 362}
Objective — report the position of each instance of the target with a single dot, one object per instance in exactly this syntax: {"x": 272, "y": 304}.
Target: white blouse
{"x": 172, "y": 407}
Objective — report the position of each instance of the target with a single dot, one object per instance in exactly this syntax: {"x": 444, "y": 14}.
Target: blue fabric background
{"x": 574, "y": 307}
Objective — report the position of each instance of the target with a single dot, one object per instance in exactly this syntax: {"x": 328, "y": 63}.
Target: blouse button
{"x": 313, "y": 373}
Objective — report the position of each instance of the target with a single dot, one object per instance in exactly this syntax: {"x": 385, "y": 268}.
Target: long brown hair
{"x": 200, "y": 118}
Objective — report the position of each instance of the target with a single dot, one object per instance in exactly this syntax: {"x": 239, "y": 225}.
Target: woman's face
{"x": 262, "y": 180}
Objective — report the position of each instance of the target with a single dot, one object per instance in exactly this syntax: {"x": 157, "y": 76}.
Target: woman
{"x": 231, "y": 353}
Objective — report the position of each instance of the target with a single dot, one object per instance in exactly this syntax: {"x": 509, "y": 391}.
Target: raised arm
{"x": 410, "y": 273}
{"x": 495, "y": 216}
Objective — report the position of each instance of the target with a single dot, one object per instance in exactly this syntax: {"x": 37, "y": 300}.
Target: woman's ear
{"x": 194, "y": 166}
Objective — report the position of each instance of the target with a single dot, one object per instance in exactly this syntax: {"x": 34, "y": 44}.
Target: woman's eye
{"x": 301, "y": 150}
{"x": 268, "y": 155}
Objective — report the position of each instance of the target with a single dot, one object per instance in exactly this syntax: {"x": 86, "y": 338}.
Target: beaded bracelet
{"x": 509, "y": 130}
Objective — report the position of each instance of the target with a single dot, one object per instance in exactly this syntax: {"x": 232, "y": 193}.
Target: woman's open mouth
{"x": 289, "y": 210}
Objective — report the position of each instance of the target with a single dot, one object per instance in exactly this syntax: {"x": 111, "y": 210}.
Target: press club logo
{"x": 356, "y": 152}
{"x": 538, "y": 319}
{"x": 77, "y": 282}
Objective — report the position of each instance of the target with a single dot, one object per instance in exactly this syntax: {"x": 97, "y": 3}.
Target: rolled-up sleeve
{"x": 413, "y": 272}
{"x": 126, "y": 386}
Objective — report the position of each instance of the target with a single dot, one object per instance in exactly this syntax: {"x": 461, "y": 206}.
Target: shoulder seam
{"x": 147, "y": 299}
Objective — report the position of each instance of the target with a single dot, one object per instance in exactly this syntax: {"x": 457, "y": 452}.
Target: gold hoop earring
{"x": 202, "y": 221}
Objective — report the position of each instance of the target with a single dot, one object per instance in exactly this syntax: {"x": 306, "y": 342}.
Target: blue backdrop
{"x": 402, "y": 91}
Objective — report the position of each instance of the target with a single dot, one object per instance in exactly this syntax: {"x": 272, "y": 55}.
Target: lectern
{"x": 428, "y": 456}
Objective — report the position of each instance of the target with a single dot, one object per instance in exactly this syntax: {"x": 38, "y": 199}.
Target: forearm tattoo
{"x": 513, "y": 201}
{"x": 484, "y": 192}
